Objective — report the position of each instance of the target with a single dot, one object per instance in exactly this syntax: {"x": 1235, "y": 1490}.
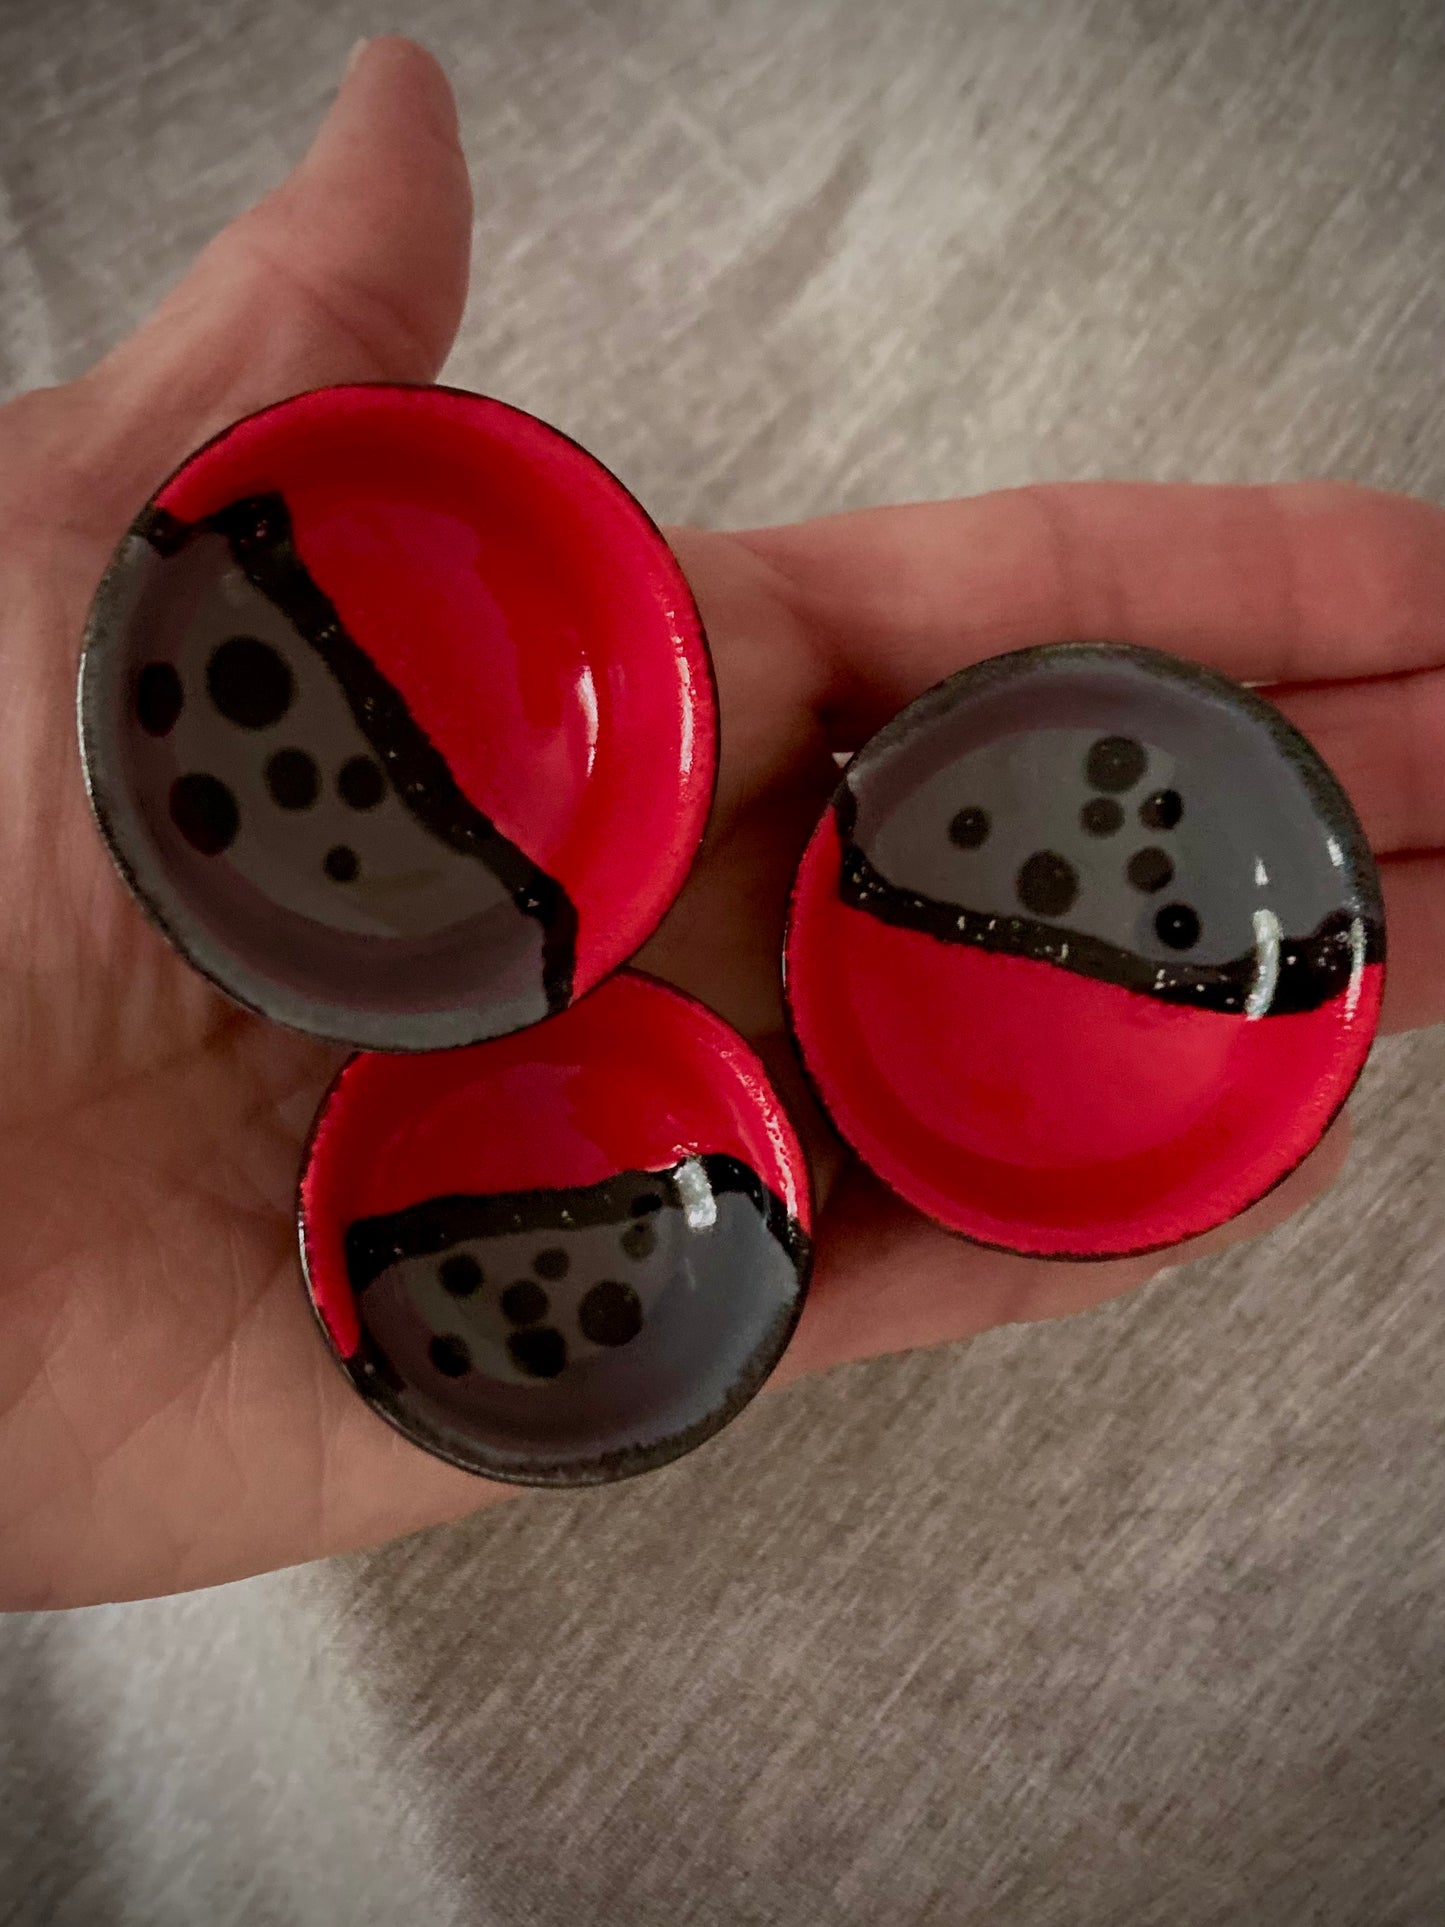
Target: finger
{"x": 1280, "y": 584}
{"x": 1385, "y": 741}
{"x": 354, "y": 269}
{"x": 1415, "y": 939}
{"x": 939, "y": 1288}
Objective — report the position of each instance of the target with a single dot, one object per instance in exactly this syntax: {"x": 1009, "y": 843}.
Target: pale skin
{"x": 169, "y": 1416}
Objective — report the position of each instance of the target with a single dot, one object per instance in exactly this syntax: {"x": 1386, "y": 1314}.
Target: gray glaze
{"x": 389, "y": 913}
{"x": 408, "y": 883}
{"x": 530, "y": 1370}
{"x": 1218, "y": 820}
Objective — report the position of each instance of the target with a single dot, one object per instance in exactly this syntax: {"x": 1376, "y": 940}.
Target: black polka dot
{"x": 205, "y": 813}
{"x": 969, "y": 828}
{"x": 361, "y": 783}
{"x": 158, "y": 698}
{"x": 1115, "y": 763}
{"x": 524, "y": 1303}
{"x": 249, "y": 682}
{"x": 1149, "y": 870}
{"x": 293, "y": 779}
{"x": 1101, "y": 816}
{"x": 610, "y": 1314}
{"x": 449, "y": 1355}
{"x": 460, "y": 1274}
{"x": 1162, "y": 810}
{"x": 341, "y": 864}
{"x": 1047, "y": 884}
{"x": 639, "y": 1241}
{"x": 552, "y": 1263}
{"x": 1178, "y": 926}
{"x": 645, "y": 1202}
{"x": 540, "y": 1352}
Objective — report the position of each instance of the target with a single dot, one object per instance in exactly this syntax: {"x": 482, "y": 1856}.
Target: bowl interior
{"x": 564, "y": 1255}
{"x": 399, "y": 715}
{"x": 1087, "y": 954}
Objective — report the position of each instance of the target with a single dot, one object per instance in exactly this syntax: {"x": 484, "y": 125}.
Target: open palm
{"x": 169, "y": 1416}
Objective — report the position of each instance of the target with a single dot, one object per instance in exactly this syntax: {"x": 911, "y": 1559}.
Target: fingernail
{"x": 356, "y": 52}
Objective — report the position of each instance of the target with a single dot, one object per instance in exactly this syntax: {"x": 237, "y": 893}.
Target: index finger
{"x": 1298, "y": 582}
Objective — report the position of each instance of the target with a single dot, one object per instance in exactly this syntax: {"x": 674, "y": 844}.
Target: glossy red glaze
{"x": 531, "y": 614}
{"x": 1047, "y": 1112}
{"x": 635, "y": 1077}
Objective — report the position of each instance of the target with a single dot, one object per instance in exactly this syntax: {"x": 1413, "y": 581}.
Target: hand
{"x": 169, "y": 1416}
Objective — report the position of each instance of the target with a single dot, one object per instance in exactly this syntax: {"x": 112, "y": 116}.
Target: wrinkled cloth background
{"x": 1135, "y": 1619}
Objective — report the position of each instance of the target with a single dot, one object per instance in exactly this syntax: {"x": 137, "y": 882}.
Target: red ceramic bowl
{"x": 564, "y": 1256}
{"x": 398, "y": 717}
{"x": 1087, "y": 952}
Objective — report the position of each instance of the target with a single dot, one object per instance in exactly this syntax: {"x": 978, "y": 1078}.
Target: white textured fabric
{"x": 1135, "y": 1619}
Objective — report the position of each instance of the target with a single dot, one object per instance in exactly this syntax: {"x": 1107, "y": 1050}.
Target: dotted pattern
{"x": 460, "y": 1275}
{"x": 249, "y": 682}
{"x": 293, "y": 779}
{"x": 1177, "y": 926}
{"x": 609, "y": 1314}
{"x": 250, "y": 685}
{"x": 540, "y": 1352}
{"x": 1048, "y": 884}
{"x": 450, "y": 1356}
{"x": 1101, "y": 816}
{"x": 1115, "y": 764}
{"x": 1161, "y": 811}
{"x": 158, "y": 698}
{"x": 1150, "y": 869}
{"x": 360, "y": 783}
{"x": 555, "y": 1345}
{"x": 525, "y": 1303}
{"x": 970, "y": 828}
{"x": 205, "y": 813}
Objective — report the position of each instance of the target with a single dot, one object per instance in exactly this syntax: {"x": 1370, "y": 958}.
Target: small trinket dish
{"x": 1087, "y": 951}
{"x": 398, "y": 717}
{"x": 563, "y": 1256}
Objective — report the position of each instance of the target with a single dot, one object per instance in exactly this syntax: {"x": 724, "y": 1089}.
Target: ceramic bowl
{"x": 564, "y": 1256}
{"x": 1087, "y": 951}
{"x": 397, "y": 716}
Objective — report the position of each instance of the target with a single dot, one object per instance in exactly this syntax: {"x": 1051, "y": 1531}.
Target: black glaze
{"x": 1101, "y": 816}
{"x": 1164, "y": 810}
{"x": 258, "y": 532}
{"x": 1150, "y": 869}
{"x": 525, "y": 1302}
{"x": 969, "y": 829}
{"x": 205, "y": 813}
{"x": 249, "y": 683}
{"x": 1312, "y": 968}
{"x": 361, "y": 783}
{"x": 1048, "y": 884}
{"x": 435, "y": 1225}
{"x": 159, "y": 698}
{"x": 1116, "y": 763}
{"x": 461, "y": 1275}
{"x": 293, "y": 779}
{"x": 539, "y": 1351}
